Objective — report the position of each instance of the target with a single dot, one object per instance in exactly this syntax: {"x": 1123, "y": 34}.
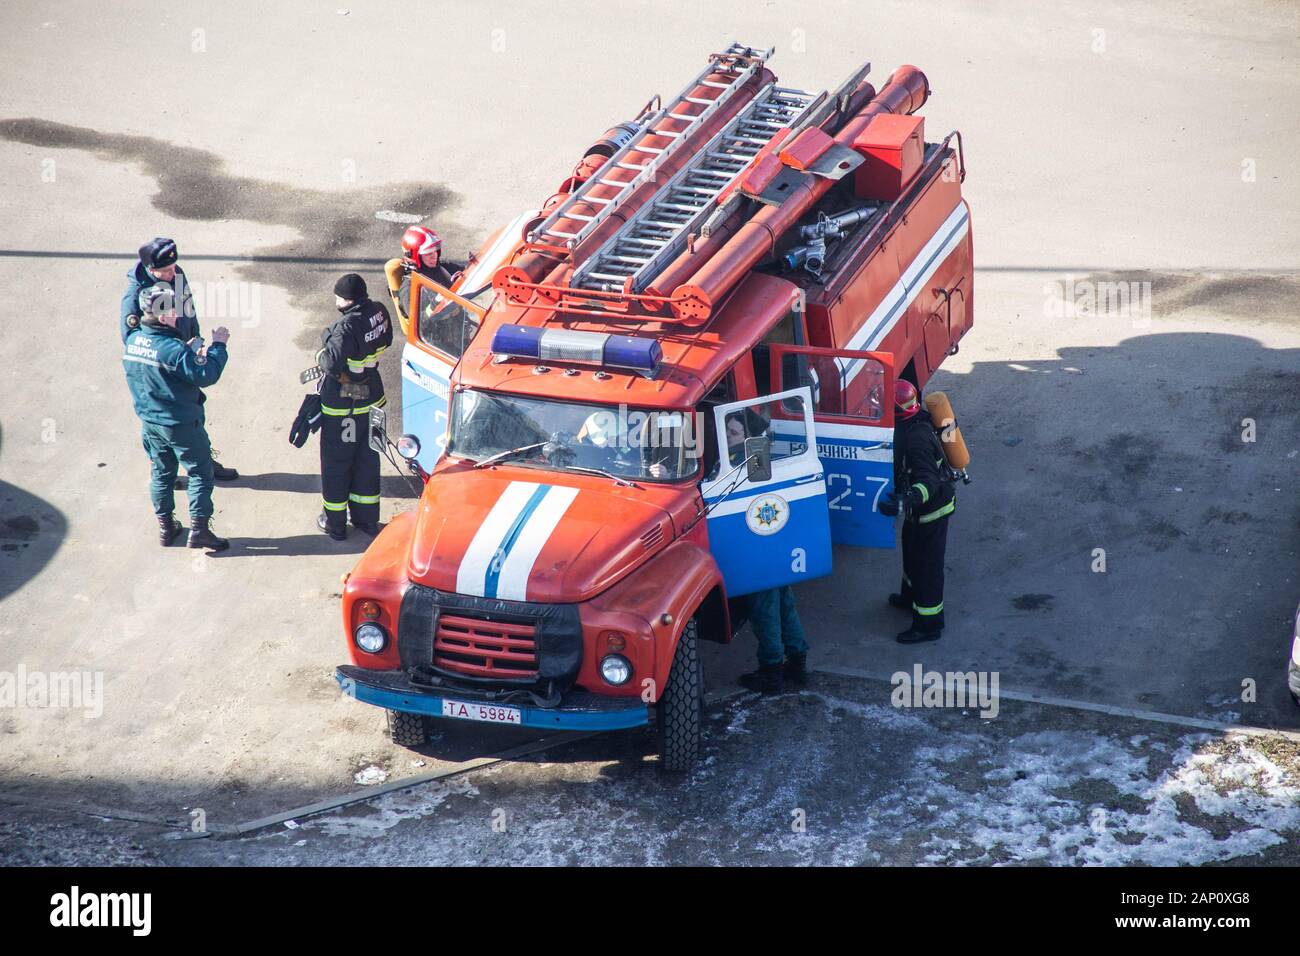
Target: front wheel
{"x": 408, "y": 730}
{"x": 680, "y": 708}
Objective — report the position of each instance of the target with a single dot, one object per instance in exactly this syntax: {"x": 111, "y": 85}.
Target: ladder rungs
{"x": 657, "y": 232}
{"x": 622, "y": 165}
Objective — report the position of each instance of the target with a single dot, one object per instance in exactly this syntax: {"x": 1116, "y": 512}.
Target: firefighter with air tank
{"x": 925, "y": 469}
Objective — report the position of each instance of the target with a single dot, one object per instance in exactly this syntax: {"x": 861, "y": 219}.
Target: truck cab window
{"x": 444, "y": 324}
{"x": 848, "y": 387}
{"x": 789, "y": 331}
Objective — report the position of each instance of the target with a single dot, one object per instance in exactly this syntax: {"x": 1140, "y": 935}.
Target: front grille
{"x": 481, "y": 648}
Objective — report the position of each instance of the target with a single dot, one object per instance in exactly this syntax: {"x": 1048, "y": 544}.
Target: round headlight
{"x": 370, "y": 638}
{"x": 408, "y": 446}
{"x": 615, "y": 669}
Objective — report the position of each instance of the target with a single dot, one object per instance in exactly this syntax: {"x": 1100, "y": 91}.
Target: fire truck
{"x": 666, "y": 389}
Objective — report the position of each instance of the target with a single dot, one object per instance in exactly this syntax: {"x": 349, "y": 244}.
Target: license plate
{"x": 488, "y": 713}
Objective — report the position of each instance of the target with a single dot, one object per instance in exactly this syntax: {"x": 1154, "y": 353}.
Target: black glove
{"x": 894, "y": 503}
{"x": 308, "y": 421}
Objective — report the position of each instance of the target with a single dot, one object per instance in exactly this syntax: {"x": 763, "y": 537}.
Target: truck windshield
{"x": 649, "y": 444}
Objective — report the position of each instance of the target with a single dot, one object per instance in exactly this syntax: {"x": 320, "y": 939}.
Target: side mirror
{"x": 408, "y": 446}
{"x": 758, "y": 458}
{"x": 378, "y": 437}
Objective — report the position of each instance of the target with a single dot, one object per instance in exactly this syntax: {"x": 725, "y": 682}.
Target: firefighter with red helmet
{"x": 422, "y": 248}
{"x": 925, "y": 495}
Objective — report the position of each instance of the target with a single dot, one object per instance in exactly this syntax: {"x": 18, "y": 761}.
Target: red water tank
{"x": 893, "y": 149}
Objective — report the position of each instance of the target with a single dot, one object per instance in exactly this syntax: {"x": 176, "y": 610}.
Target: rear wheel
{"x": 680, "y": 708}
{"x": 408, "y": 730}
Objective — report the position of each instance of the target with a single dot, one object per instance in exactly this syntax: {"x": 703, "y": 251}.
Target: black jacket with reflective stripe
{"x": 350, "y": 352}
{"x": 919, "y": 460}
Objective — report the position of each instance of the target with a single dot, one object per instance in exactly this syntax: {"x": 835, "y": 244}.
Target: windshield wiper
{"x": 502, "y": 456}
{"x": 617, "y": 479}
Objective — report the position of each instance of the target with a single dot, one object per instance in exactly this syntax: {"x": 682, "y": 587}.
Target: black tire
{"x": 681, "y": 706}
{"x": 408, "y": 730}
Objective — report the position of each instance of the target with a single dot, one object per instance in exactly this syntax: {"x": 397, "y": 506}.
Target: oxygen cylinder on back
{"x": 945, "y": 423}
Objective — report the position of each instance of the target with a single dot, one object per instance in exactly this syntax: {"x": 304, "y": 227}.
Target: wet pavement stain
{"x": 1033, "y": 602}
{"x": 338, "y": 224}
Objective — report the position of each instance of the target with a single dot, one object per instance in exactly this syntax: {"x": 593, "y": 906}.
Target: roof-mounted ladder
{"x": 607, "y": 189}
{"x": 657, "y": 232}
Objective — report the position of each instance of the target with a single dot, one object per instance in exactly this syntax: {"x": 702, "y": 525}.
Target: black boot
{"x": 900, "y": 602}
{"x": 768, "y": 679}
{"x": 323, "y": 523}
{"x": 201, "y": 536}
{"x": 168, "y": 529}
{"x": 222, "y": 473}
{"x": 796, "y": 669}
{"x": 370, "y": 529}
{"x": 913, "y": 636}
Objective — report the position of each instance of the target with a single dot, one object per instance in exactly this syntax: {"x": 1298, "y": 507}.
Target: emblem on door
{"x": 767, "y": 514}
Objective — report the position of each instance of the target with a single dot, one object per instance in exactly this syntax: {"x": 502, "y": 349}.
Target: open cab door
{"x": 773, "y": 531}
{"x": 442, "y": 326}
{"x": 853, "y": 407}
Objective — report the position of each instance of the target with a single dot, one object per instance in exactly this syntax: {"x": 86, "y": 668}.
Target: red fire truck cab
{"x": 666, "y": 390}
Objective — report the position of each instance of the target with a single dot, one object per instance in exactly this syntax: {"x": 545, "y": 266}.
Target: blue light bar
{"x": 591, "y": 348}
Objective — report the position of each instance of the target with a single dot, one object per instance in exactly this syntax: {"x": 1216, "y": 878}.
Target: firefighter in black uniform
{"x": 351, "y": 386}
{"x": 925, "y": 494}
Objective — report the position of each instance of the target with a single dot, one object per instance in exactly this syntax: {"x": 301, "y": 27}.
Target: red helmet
{"x": 906, "y": 399}
{"x": 419, "y": 242}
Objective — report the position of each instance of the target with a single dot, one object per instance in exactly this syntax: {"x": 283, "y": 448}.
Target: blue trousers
{"x": 776, "y": 625}
{"x": 169, "y": 447}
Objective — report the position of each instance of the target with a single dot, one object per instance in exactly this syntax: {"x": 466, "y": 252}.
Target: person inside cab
{"x": 596, "y": 444}
{"x": 742, "y": 424}
{"x": 422, "y": 253}
{"x": 651, "y": 448}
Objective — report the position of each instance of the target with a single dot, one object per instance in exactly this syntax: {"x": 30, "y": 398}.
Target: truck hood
{"x": 523, "y": 534}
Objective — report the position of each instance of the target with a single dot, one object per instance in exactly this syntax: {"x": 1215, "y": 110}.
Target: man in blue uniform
{"x": 166, "y": 375}
{"x": 351, "y": 386}
{"x": 158, "y": 263}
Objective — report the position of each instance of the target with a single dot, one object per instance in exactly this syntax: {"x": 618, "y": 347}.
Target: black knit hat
{"x": 158, "y": 253}
{"x": 351, "y": 287}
